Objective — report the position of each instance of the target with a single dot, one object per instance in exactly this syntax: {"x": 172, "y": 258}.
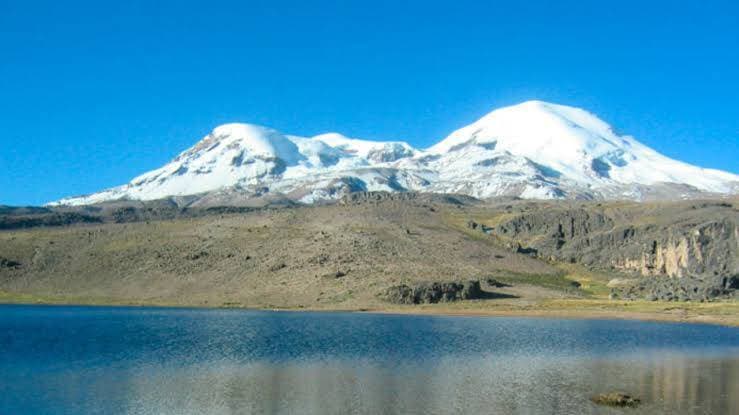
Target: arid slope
{"x": 287, "y": 257}
{"x": 341, "y": 256}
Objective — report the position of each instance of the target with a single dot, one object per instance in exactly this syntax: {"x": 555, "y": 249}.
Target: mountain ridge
{"x": 532, "y": 150}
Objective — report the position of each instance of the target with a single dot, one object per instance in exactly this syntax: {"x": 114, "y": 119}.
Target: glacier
{"x": 534, "y": 150}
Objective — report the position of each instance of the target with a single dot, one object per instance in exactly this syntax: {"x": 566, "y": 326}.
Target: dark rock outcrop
{"x": 33, "y": 220}
{"x": 433, "y": 292}
{"x": 359, "y": 197}
{"x": 497, "y": 284}
{"x": 678, "y": 289}
{"x": 126, "y": 212}
{"x": 696, "y": 244}
{"x": 9, "y": 263}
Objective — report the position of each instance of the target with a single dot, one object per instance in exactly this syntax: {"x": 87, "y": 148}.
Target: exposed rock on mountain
{"x": 436, "y": 292}
{"x": 694, "y": 247}
{"x": 678, "y": 289}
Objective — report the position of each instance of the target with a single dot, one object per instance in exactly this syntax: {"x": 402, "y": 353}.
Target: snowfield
{"x": 531, "y": 150}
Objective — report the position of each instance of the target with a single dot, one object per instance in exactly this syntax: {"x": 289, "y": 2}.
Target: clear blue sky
{"x": 93, "y": 93}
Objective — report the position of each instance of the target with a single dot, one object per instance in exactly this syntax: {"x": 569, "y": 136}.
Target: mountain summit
{"x": 532, "y": 150}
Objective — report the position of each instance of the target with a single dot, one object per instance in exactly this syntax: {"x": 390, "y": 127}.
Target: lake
{"x": 120, "y": 360}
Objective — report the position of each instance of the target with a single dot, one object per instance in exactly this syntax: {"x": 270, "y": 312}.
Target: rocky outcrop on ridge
{"x": 695, "y": 246}
{"x": 433, "y": 292}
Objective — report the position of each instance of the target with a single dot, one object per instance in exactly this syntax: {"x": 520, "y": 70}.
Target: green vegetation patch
{"x": 591, "y": 282}
{"x": 552, "y": 281}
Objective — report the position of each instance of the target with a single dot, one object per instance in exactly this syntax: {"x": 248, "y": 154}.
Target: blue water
{"x": 72, "y": 360}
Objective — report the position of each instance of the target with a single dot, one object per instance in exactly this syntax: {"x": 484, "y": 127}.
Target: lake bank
{"x": 725, "y": 313}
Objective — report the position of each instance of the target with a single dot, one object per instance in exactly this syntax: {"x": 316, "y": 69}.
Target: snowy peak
{"x": 378, "y": 151}
{"x": 248, "y": 139}
{"x": 578, "y": 146}
{"x": 533, "y": 150}
{"x": 557, "y": 136}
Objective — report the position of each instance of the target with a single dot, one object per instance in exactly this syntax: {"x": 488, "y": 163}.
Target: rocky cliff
{"x": 680, "y": 240}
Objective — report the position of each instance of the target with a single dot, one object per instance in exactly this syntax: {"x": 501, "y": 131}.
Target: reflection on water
{"x": 81, "y": 360}
{"x": 480, "y": 386}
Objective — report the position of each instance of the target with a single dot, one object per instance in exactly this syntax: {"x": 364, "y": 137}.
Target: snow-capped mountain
{"x": 532, "y": 150}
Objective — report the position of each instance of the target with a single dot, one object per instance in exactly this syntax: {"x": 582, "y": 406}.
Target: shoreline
{"x": 685, "y": 313}
{"x": 571, "y": 315}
